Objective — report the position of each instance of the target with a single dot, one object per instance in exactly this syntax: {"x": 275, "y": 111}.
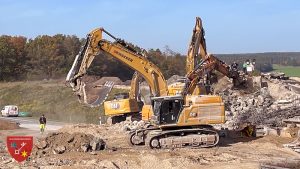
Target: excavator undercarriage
{"x": 175, "y": 138}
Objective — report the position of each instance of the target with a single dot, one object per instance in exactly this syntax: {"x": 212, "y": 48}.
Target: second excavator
{"x": 126, "y": 105}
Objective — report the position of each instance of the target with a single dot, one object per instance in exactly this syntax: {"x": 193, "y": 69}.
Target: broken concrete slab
{"x": 59, "y": 150}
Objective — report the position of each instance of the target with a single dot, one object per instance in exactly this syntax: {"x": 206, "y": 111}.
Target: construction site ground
{"x": 240, "y": 152}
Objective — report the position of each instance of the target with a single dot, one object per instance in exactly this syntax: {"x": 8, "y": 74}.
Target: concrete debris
{"x": 59, "y": 150}
{"x": 97, "y": 144}
{"x": 266, "y": 106}
{"x": 276, "y": 75}
{"x": 41, "y": 144}
{"x": 294, "y": 120}
{"x": 85, "y": 147}
{"x": 127, "y": 125}
{"x": 295, "y": 145}
{"x": 175, "y": 78}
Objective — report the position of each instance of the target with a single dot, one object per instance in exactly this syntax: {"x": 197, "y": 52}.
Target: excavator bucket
{"x": 93, "y": 94}
{"x": 89, "y": 93}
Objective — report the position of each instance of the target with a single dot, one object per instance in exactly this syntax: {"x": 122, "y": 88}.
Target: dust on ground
{"x": 8, "y": 125}
{"x": 243, "y": 152}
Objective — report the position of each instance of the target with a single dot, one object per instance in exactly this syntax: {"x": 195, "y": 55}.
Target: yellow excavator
{"x": 125, "y": 104}
{"x": 181, "y": 120}
{"x": 196, "y": 52}
{"x": 129, "y": 105}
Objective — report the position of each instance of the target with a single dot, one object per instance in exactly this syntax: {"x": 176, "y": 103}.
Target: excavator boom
{"x": 196, "y": 47}
{"x": 119, "y": 49}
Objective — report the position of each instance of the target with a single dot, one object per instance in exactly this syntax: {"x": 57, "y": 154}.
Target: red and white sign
{"x": 19, "y": 147}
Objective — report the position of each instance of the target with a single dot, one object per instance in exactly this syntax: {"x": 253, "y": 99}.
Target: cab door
{"x": 170, "y": 110}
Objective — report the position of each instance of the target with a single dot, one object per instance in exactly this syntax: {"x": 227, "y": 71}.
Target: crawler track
{"x": 156, "y": 138}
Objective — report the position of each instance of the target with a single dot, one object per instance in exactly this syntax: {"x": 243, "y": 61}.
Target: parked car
{"x": 10, "y": 110}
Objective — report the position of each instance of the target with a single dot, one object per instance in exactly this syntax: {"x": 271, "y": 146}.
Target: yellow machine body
{"x": 202, "y": 110}
{"x": 120, "y": 107}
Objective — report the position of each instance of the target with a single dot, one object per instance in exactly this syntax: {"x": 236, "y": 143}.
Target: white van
{"x": 10, "y": 110}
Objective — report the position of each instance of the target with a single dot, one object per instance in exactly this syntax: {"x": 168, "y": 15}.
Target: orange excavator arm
{"x": 207, "y": 65}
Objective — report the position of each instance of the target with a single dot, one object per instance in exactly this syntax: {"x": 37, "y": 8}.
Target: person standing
{"x": 244, "y": 67}
{"x": 234, "y": 66}
{"x": 43, "y": 122}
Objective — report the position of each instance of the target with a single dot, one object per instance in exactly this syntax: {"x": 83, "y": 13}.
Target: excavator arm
{"x": 207, "y": 65}
{"x": 96, "y": 45}
{"x": 135, "y": 86}
{"x": 196, "y": 47}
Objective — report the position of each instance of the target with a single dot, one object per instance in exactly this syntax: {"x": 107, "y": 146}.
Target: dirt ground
{"x": 8, "y": 125}
{"x": 230, "y": 153}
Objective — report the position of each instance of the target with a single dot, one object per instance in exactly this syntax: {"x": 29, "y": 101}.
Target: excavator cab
{"x": 166, "y": 109}
{"x": 120, "y": 96}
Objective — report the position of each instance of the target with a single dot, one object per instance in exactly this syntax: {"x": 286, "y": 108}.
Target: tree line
{"x": 50, "y": 57}
{"x": 264, "y": 61}
{"x": 43, "y": 57}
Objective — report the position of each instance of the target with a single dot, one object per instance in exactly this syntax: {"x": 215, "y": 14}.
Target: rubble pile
{"x": 175, "y": 78}
{"x": 62, "y": 142}
{"x": 129, "y": 125}
{"x": 267, "y": 106}
{"x": 276, "y": 75}
{"x": 295, "y": 145}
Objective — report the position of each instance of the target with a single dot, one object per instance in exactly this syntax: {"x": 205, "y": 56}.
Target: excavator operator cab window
{"x": 120, "y": 96}
{"x": 170, "y": 110}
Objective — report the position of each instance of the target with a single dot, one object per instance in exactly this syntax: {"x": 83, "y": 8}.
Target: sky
{"x": 231, "y": 26}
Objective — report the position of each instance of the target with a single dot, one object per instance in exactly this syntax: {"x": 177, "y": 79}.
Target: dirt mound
{"x": 61, "y": 142}
{"x": 8, "y": 125}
